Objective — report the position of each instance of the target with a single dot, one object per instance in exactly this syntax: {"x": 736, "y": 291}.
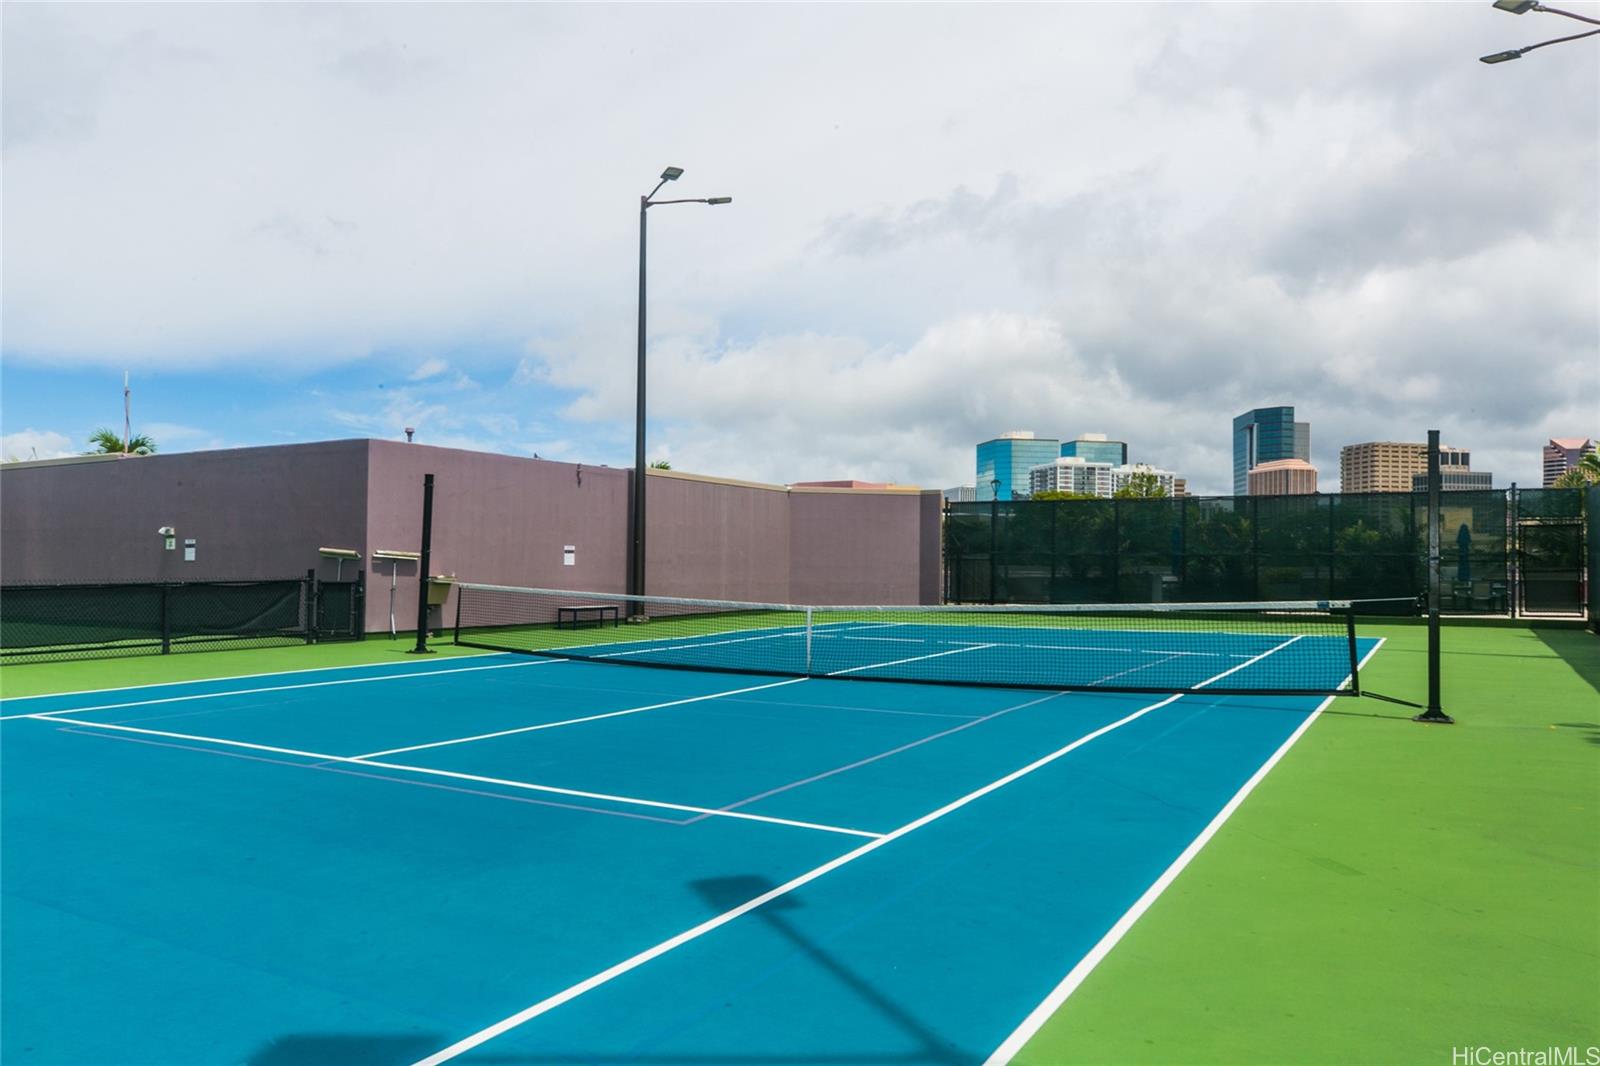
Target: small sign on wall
{"x": 569, "y": 555}
{"x": 188, "y": 550}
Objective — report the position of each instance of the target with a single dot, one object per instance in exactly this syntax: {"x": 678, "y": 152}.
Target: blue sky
{"x": 301, "y": 222}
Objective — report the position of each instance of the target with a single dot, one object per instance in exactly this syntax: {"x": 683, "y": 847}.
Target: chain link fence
{"x": 53, "y": 622}
{"x": 1503, "y": 551}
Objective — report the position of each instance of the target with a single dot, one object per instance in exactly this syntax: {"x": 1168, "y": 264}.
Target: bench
{"x": 578, "y": 611}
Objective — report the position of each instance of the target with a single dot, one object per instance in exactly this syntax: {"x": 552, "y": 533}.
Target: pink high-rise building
{"x": 1562, "y": 454}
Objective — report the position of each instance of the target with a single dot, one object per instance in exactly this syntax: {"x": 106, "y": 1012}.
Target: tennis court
{"x": 566, "y": 858}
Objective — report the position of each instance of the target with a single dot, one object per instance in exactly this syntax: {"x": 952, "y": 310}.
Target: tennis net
{"x": 1281, "y": 648}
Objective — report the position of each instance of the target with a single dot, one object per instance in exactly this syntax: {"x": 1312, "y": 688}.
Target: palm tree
{"x": 109, "y": 442}
{"x": 1585, "y": 473}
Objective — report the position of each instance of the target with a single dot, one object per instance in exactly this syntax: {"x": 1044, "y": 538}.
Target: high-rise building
{"x": 1074, "y": 474}
{"x": 1180, "y": 486}
{"x": 1562, "y": 454}
{"x": 1283, "y": 477}
{"x": 1096, "y": 449}
{"x": 1007, "y": 460}
{"x": 1454, "y": 480}
{"x": 960, "y": 494}
{"x": 1266, "y": 435}
{"x": 1389, "y": 466}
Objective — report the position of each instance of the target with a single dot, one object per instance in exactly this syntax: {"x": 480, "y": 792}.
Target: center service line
{"x": 604, "y": 976}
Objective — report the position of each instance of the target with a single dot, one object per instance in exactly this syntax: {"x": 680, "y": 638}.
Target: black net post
{"x": 1355, "y": 655}
{"x": 422, "y": 567}
{"x": 1434, "y": 712}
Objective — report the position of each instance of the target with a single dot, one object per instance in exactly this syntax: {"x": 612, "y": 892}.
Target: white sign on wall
{"x": 569, "y": 555}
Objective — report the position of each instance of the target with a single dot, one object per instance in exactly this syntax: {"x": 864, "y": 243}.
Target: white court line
{"x": 243, "y": 677}
{"x": 683, "y": 642}
{"x": 1075, "y": 977}
{"x": 615, "y": 799}
{"x": 78, "y": 723}
{"x": 576, "y": 721}
{"x": 352, "y": 760}
{"x": 633, "y": 962}
{"x": 1247, "y": 662}
{"x": 1053, "y": 647}
{"x": 914, "y": 658}
{"x": 285, "y": 688}
{"x": 1130, "y": 670}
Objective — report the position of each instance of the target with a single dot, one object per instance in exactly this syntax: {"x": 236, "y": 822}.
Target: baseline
{"x": 80, "y": 724}
{"x": 282, "y": 688}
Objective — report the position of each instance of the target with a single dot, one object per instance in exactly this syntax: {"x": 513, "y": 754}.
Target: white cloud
{"x": 948, "y": 221}
{"x": 36, "y": 444}
{"x": 430, "y": 368}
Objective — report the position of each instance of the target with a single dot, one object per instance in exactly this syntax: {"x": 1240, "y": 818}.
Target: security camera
{"x": 167, "y": 531}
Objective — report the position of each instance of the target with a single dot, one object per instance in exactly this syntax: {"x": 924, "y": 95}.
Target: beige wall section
{"x": 253, "y": 512}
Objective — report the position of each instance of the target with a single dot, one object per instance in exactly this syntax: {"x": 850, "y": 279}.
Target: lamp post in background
{"x": 1520, "y": 7}
{"x": 636, "y": 561}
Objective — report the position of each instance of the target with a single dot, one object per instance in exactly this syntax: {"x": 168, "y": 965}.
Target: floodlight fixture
{"x": 720, "y": 200}
{"x": 1519, "y": 7}
{"x": 672, "y": 174}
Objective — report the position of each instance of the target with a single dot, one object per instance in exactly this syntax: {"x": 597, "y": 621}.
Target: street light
{"x": 1521, "y": 7}
{"x": 636, "y": 567}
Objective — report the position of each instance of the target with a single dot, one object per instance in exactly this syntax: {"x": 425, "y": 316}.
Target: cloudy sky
{"x": 296, "y": 223}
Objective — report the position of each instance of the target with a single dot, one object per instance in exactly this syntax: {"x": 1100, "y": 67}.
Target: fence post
{"x": 166, "y": 622}
{"x": 1513, "y": 557}
{"x": 1055, "y": 507}
{"x": 994, "y": 528}
{"x": 1116, "y": 550}
{"x": 358, "y": 606}
{"x": 311, "y": 606}
{"x": 1332, "y": 541}
{"x": 1255, "y": 547}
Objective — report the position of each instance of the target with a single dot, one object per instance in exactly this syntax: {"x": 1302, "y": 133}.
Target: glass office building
{"x": 1094, "y": 448}
{"x": 1266, "y": 435}
{"x": 1008, "y": 459}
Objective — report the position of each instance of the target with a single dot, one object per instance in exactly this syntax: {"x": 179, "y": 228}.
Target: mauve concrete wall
{"x": 254, "y": 512}
{"x": 860, "y": 547}
{"x": 264, "y": 512}
{"x": 499, "y": 519}
{"x": 716, "y": 540}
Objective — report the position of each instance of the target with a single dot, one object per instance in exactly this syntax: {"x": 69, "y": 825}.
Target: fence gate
{"x": 340, "y": 609}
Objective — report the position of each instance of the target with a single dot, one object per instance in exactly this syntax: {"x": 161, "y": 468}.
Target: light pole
{"x": 636, "y": 561}
{"x": 1520, "y": 7}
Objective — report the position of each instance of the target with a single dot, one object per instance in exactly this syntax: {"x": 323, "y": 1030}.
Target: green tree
{"x": 1142, "y": 484}
{"x": 109, "y": 442}
{"x": 661, "y": 464}
{"x": 1057, "y": 494}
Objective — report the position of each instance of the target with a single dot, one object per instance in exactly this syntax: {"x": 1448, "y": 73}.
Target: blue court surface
{"x": 510, "y": 859}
